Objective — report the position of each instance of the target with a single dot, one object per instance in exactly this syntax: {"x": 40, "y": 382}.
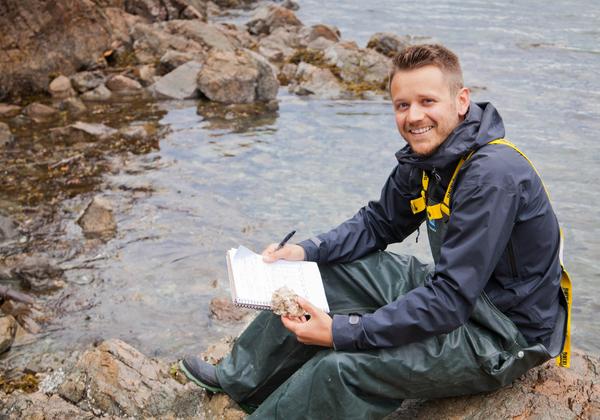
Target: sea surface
{"x": 311, "y": 165}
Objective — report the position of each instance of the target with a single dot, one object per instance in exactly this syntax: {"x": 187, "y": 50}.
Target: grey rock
{"x": 290, "y": 4}
{"x": 309, "y": 34}
{"x": 320, "y": 82}
{"x": 8, "y": 327}
{"x": 268, "y": 18}
{"x": 190, "y": 12}
{"x": 60, "y": 88}
{"x": 9, "y": 230}
{"x": 99, "y": 94}
{"x": 242, "y": 77}
{"x": 116, "y": 379}
{"x": 209, "y": 35}
{"x": 151, "y": 42}
{"x": 147, "y": 74}
{"x": 87, "y": 80}
{"x": 122, "y": 84}
{"x": 6, "y": 135}
{"x": 97, "y": 220}
{"x": 9, "y": 111}
{"x": 38, "y": 405}
{"x": 180, "y": 83}
{"x": 387, "y": 43}
{"x": 279, "y": 46}
{"x": 97, "y": 130}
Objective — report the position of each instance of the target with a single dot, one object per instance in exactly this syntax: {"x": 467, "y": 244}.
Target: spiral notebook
{"x": 253, "y": 281}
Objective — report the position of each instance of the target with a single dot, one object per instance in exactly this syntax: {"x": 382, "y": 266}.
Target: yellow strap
{"x": 564, "y": 358}
{"x": 419, "y": 204}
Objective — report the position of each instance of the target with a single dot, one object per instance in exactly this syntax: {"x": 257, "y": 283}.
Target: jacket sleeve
{"x": 373, "y": 227}
{"x": 479, "y": 228}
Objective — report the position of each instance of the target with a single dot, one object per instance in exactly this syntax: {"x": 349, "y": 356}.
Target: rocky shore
{"x": 82, "y": 81}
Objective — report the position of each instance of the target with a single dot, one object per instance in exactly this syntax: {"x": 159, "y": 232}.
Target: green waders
{"x": 290, "y": 380}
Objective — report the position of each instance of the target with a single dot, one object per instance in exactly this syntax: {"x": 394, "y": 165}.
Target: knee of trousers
{"x": 335, "y": 368}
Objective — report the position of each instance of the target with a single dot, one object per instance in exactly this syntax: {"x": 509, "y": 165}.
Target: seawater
{"x": 315, "y": 162}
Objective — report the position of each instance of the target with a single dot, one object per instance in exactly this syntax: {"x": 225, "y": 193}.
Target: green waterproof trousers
{"x": 289, "y": 380}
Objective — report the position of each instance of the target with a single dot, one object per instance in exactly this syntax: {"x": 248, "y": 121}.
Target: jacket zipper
{"x": 512, "y": 260}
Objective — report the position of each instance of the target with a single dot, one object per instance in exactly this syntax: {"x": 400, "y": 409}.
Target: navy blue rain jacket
{"x": 502, "y": 238}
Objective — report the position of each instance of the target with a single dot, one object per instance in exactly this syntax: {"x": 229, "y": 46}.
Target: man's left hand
{"x": 317, "y": 330}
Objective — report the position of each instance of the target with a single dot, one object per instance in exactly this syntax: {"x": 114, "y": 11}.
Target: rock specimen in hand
{"x": 284, "y": 302}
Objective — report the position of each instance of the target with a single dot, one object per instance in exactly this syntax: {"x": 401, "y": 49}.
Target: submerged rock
{"x": 223, "y": 309}
{"x": 97, "y": 219}
{"x": 8, "y": 228}
{"x": 38, "y": 273}
{"x": 99, "y": 94}
{"x": 9, "y": 111}
{"x": 284, "y": 303}
{"x": 97, "y": 130}
{"x": 40, "y": 112}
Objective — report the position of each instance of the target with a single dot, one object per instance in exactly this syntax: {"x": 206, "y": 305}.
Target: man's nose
{"x": 415, "y": 113}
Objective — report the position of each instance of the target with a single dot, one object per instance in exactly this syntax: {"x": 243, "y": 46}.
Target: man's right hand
{"x": 289, "y": 252}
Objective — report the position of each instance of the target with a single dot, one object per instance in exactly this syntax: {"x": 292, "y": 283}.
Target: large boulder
{"x": 240, "y": 77}
{"x": 31, "y": 47}
{"x": 358, "y": 65}
{"x": 116, "y": 379}
{"x": 279, "y": 46}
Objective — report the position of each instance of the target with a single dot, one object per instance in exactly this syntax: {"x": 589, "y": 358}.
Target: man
{"x": 487, "y": 311}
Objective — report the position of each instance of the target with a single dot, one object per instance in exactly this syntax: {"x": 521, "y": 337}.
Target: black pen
{"x": 287, "y": 238}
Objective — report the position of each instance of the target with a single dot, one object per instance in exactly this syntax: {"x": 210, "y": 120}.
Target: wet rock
{"x": 60, "y": 88}
{"x": 97, "y": 219}
{"x": 99, "y": 94}
{"x": 39, "y": 274}
{"x": 546, "y": 392}
{"x": 284, "y": 303}
{"x": 171, "y": 60}
{"x": 241, "y": 77}
{"x": 74, "y": 106}
{"x": 317, "y": 81}
{"x": 8, "y": 327}
{"x": 39, "y": 406}
{"x": 40, "y": 112}
{"x": 270, "y": 17}
{"x": 287, "y": 73}
{"x": 87, "y": 80}
{"x": 9, "y": 229}
{"x": 9, "y": 111}
{"x": 180, "y": 83}
{"x": 223, "y": 309}
{"x": 358, "y": 65}
{"x": 388, "y": 44}
{"x": 97, "y": 130}
{"x": 6, "y": 137}
{"x": 122, "y": 84}
{"x": 43, "y": 38}
{"x": 116, "y": 379}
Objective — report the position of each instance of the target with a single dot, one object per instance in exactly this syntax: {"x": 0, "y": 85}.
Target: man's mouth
{"x": 420, "y": 130}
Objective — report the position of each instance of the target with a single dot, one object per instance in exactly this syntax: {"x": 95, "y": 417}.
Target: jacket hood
{"x": 481, "y": 125}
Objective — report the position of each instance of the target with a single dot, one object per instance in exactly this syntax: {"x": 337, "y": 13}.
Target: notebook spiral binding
{"x": 252, "y": 304}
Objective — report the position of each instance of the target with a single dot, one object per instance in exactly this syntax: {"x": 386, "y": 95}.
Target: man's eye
{"x": 401, "y": 106}
{"x": 428, "y": 101}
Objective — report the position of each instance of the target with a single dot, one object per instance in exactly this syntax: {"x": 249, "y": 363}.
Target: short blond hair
{"x": 417, "y": 56}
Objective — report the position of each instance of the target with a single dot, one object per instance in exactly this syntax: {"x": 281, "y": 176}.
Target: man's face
{"x": 425, "y": 107}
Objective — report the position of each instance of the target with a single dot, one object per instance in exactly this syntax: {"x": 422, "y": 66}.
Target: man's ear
{"x": 463, "y": 99}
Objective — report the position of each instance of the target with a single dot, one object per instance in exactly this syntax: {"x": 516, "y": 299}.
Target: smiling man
{"x": 488, "y": 309}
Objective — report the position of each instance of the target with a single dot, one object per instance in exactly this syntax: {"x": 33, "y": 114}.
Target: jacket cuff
{"x": 346, "y": 330}
{"x": 311, "y": 250}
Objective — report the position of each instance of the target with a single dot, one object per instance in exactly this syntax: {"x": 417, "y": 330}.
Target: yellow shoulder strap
{"x": 564, "y": 358}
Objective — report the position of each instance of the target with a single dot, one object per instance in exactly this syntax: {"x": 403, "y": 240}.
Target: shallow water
{"x": 313, "y": 164}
